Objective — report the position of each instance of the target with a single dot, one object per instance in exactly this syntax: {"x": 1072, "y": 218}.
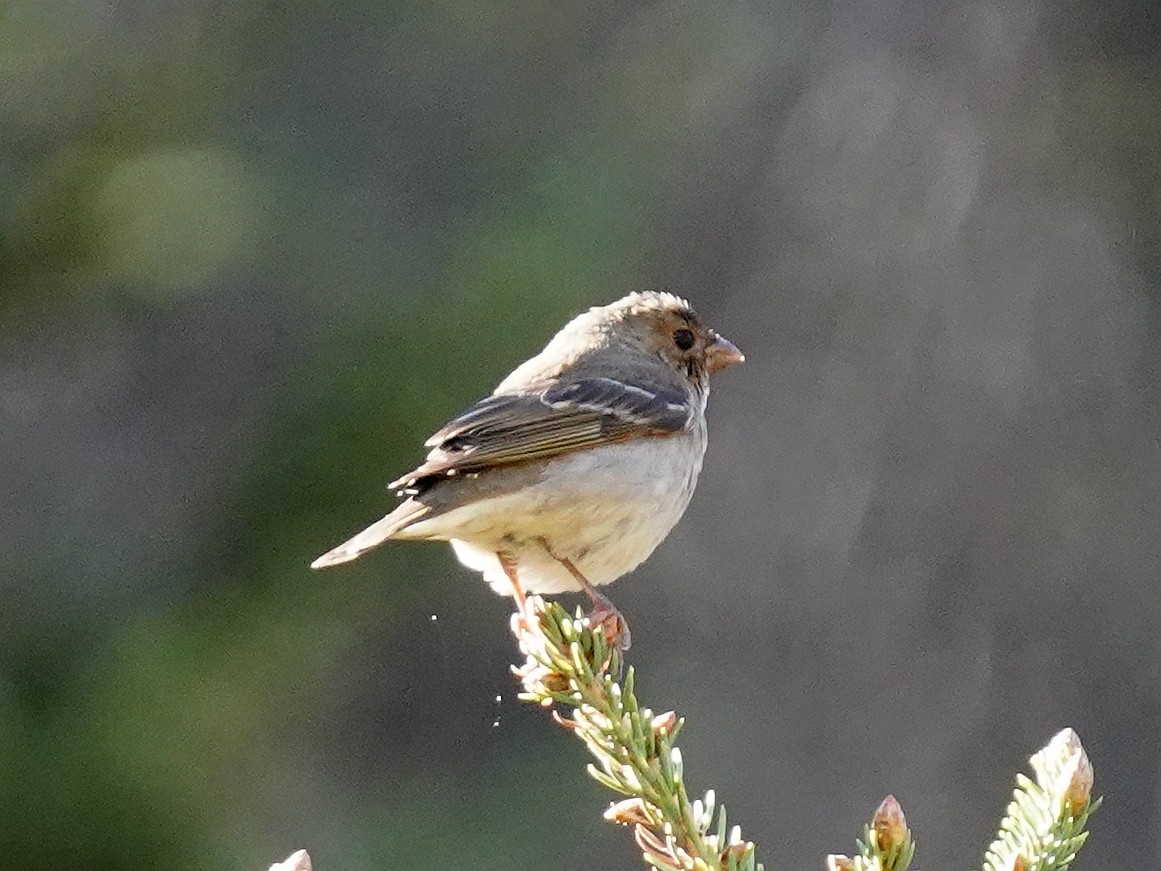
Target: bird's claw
{"x": 612, "y": 625}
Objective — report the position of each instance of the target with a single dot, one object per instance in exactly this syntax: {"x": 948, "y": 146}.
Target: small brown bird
{"x": 578, "y": 465}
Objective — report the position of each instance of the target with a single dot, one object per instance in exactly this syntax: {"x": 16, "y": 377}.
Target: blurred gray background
{"x": 253, "y": 253}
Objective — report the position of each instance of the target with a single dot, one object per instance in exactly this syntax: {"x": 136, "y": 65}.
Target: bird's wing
{"x": 564, "y": 416}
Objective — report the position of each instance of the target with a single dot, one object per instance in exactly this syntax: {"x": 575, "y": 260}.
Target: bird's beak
{"x": 721, "y": 352}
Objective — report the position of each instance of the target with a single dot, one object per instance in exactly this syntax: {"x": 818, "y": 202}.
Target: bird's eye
{"x": 683, "y": 339}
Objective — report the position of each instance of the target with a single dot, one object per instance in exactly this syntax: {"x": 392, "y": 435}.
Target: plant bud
{"x": 663, "y": 724}
{"x": 890, "y": 825}
{"x": 736, "y": 851}
{"x": 1075, "y": 782}
{"x": 631, "y": 811}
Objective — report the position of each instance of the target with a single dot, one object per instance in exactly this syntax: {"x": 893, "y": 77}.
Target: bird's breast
{"x": 606, "y": 509}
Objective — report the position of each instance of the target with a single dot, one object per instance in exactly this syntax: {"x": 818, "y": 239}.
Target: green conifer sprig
{"x": 1045, "y": 823}
{"x": 570, "y": 665}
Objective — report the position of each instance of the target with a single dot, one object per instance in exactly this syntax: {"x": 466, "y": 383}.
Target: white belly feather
{"x": 605, "y": 509}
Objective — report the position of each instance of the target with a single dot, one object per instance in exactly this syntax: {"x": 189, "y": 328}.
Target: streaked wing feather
{"x": 488, "y": 408}
{"x": 514, "y": 428}
{"x": 664, "y": 408}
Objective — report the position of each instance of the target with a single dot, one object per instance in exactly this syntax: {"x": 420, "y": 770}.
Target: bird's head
{"x": 625, "y": 339}
{"x": 664, "y": 325}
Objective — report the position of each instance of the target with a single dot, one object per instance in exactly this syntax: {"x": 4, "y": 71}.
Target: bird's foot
{"x": 611, "y": 622}
{"x": 604, "y": 615}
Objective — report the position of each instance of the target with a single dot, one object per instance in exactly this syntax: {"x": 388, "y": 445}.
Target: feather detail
{"x": 656, "y": 408}
{"x": 566, "y": 416}
{"x": 407, "y": 513}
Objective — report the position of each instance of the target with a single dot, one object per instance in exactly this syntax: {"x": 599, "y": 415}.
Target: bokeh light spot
{"x": 174, "y": 218}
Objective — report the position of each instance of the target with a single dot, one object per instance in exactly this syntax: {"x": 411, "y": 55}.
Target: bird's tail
{"x": 374, "y": 535}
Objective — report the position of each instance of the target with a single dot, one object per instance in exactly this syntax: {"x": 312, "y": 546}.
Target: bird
{"x": 579, "y": 463}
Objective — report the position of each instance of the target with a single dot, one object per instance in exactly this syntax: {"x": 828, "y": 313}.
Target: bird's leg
{"x": 604, "y": 613}
{"x": 508, "y": 564}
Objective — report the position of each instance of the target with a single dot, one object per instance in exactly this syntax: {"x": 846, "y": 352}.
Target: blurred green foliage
{"x": 252, "y": 253}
